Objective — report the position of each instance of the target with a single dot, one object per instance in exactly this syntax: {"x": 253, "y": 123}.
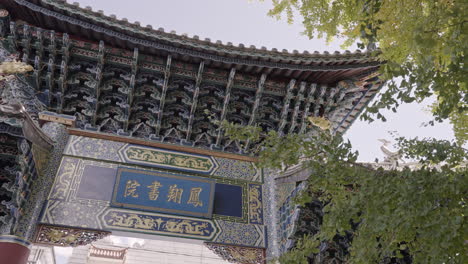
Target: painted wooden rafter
{"x": 258, "y": 97}
{"x": 98, "y": 78}
{"x": 13, "y": 36}
{"x": 299, "y": 99}
{"x": 320, "y": 100}
{"x": 62, "y": 82}
{"x": 196, "y": 93}
{"x": 39, "y": 44}
{"x": 285, "y": 110}
{"x": 51, "y": 65}
{"x": 167, "y": 75}
{"x": 26, "y": 43}
{"x": 132, "y": 86}
{"x": 310, "y": 98}
{"x": 330, "y": 101}
{"x": 227, "y": 97}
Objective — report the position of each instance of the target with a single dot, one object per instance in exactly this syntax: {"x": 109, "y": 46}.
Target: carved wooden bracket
{"x": 64, "y": 236}
{"x": 236, "y": 254}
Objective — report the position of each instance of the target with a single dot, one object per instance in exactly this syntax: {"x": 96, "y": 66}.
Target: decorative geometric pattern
{"x": 94, "y": 148}
{"x": 235, "y": 254}
{"x": 159, "y": 224}
{"x": 240, "y": 234}
{"x": 237, "y": 169}
{"x": 73, "y": 214}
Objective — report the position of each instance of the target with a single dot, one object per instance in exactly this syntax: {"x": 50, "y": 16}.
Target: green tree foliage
{"x": 421, "y": 211}
{"x": 422, "y": 42}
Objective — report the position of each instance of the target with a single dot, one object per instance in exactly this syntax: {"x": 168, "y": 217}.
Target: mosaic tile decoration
{"x": 94, "y": 148}
{"x": 73, "y": 214}
{"x": 108, "y": 150}
{"x": 282, "y": 192}
{"x": 241, "y": 170}
{"x": 288, "y": 215}
{"x": 240, "y": 234}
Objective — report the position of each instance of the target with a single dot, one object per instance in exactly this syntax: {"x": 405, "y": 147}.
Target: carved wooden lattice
{"x": 67, "y": 236}
{"x": 240, "y": 255}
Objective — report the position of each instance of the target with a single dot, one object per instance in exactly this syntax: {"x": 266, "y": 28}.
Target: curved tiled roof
{"x": 195, "y": 41}
{"x": 192, "y": 46}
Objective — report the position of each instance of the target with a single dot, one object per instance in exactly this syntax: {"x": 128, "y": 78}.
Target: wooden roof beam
{"x": 132, "y": 86}
{"x": 320, "y": 100}
{"x": 227, "y": 97}
{"x": 285, "y": 110}
{"x": 62, "y": 81}
{"x": 299, "y": 99}
{"x": 98, "y": 78}
{"x": 167, "y": 75}
{"x": 51, "y": 66}
{"x": 310, "y": 97}
{"x": 196, "y": 93}
{"x": 330, "y": 101}
{"x": 26, "y": 43}
{"x": 39, "y": 44}
{"x": 258, "y": 97}
{"x": 13, "y": 36}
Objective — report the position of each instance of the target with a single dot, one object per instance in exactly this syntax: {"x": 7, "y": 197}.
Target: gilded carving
{"x": 131, "y": 188}
{"x": 153, "y": 194}
{"x": 255, "y": 204}
{"x": 235, "y": 254}
{"x": 170, "y": 159}
{"x": 160, "y": 224}
{"x": 67, "y": 236}
{"x": 195, "y": 197}
{"x": 175, "y": 194}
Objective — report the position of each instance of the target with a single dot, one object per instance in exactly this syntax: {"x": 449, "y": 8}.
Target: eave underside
{"x": 161, "y": 91}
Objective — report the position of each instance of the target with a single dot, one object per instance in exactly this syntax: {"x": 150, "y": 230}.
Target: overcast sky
{"x": 243, "y": 21}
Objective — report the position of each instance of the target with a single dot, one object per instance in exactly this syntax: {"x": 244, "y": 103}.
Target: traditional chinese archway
{"x": 117, "y": 136}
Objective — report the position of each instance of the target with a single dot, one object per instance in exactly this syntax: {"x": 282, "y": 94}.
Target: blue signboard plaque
{"x": 162, "y": 192}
